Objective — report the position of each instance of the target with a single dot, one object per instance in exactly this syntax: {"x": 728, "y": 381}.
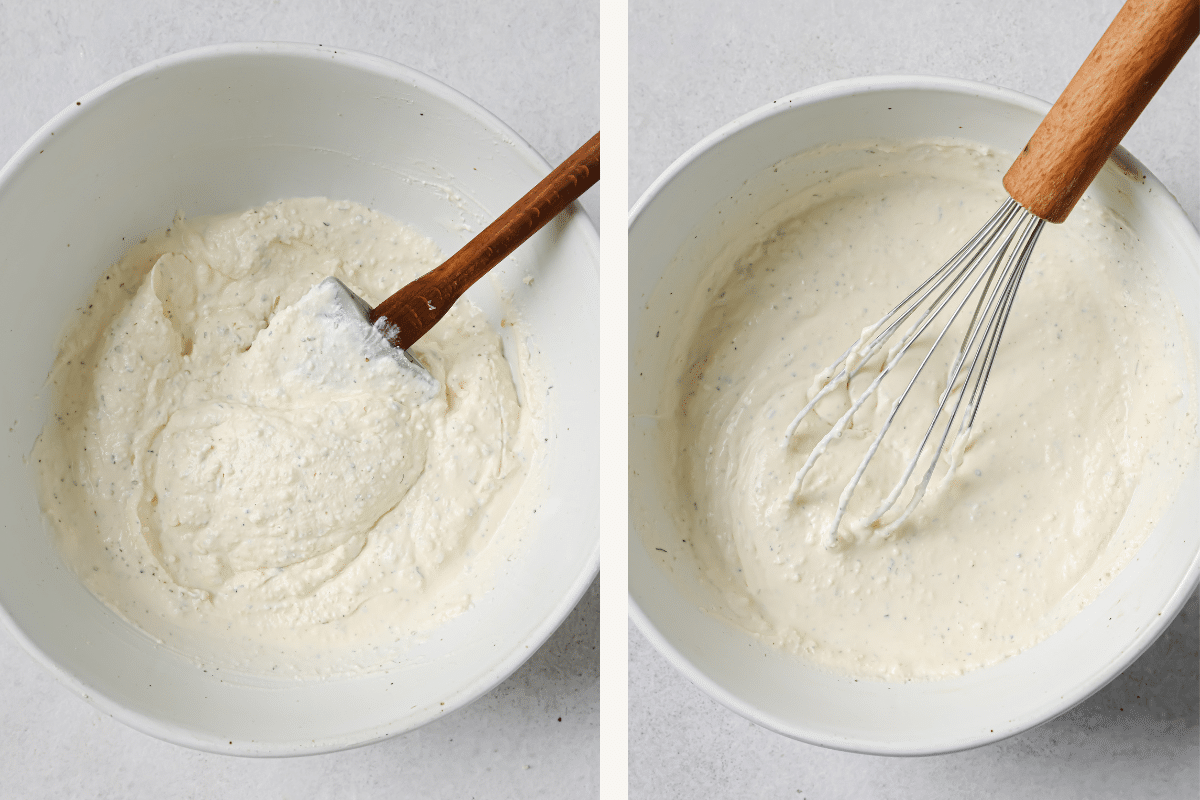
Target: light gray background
{"x": 695, "y": 66}
{"x": 535, "y": 65}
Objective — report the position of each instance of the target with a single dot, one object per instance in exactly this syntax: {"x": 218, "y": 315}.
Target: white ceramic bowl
{"x": 222, "y": 129}
{"x": 772, "y": 688}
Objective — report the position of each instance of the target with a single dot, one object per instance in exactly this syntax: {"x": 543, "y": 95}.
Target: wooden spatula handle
{"x": 418, "y": 306}
{"x": 1133, "y": 58}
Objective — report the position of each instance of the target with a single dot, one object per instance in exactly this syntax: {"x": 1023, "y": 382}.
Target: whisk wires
{"x": 994, "y": 259}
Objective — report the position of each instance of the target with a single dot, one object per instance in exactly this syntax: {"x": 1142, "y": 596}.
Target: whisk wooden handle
{"x": 418, "y": 306}
{"x": 1140, "y": 48}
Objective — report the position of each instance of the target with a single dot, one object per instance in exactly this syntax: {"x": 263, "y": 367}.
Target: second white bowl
{"x": 775, "y": 689}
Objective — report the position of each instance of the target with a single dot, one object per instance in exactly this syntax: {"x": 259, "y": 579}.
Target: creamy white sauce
{"x": 1093, "y": 384}
{"x": 254, "y": 477}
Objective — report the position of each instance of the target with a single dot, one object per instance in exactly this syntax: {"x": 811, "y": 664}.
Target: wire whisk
{"x": 1115, "y": 83}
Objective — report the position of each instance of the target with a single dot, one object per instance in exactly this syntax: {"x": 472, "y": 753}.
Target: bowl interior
{"x": 675, "y": 229}
{"x": 223, "y": 129}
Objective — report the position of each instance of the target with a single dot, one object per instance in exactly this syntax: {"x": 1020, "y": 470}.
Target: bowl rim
{"x": 1003, "y": 728}
{"x": 502, "y": 670}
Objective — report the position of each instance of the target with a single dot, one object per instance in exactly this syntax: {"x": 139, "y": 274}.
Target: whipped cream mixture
{"x": 256, "y": 477}
{"x": 1093, "y": 387}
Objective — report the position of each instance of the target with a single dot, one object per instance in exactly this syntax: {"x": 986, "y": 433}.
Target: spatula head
{"x": 333, "y": 300}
